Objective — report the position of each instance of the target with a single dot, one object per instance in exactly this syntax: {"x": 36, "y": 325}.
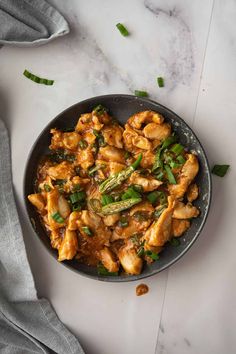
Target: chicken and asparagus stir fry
{"x": 112, "y": 196}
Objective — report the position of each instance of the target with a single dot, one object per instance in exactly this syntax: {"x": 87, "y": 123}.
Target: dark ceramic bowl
{"x": 122, "y": 107}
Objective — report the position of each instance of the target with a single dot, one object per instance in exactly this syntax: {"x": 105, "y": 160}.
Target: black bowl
{"x": 122, "y": 107}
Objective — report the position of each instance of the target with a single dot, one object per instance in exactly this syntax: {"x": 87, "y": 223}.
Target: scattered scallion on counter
{"x": 140, "y": 93}
{"x": 123, "y": 30}
{"x": 220, "y": 170}
{"x": 87, "y": 231}
{"x": 160, "y": 81}
{"x": 57, "y": 217}
{"x": 37, "y": 79}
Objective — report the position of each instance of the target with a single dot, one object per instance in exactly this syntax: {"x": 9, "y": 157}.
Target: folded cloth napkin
{"x": 27, "y": 324}
{"x": 29, "y": 22}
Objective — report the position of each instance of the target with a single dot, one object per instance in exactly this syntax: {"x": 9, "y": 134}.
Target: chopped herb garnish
{"x": 130, "y": 193}
{"x": 99, "y": 110}
{"x": 138, "y": 188}
{"x": 60, "y": 155}
{"x": 153, "y": 197}
{"x": 180, "y": 159}
{"x": 37, "y": 79}
{"x": 123, "y": 30}
{"x": 77, "y": 207}
{"x": 123, "y": 222}
{"x": 77, "y": 197}
{"x": 107, "y": 199}
{"x": 154, "y": 256}
{"x": 47, "y": 188}
{"x": 60, "y": 182}
{"x": 141, "y": 93}
{"x": 220, "y": 170}
{"x": 83, "y": 144}
{"x": 140, "y": 252}
{"x": 87, "y": 231}
{"x": 160, "y": 81}
{"x": 170, "y": 175}
{"x": 127, "y": 155}
{"x": 103, "y": 271}
{"x": 100, "y": 137}
{"x": 177, "y": 149}
{"x": 174, "y": 242}
{"x": 77, "y": 187}
{"x": 57, "y": 217}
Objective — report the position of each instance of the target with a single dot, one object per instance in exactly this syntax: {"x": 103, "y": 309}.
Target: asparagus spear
{"x": 116, "y": 180}
{"x": 116, "y": 207}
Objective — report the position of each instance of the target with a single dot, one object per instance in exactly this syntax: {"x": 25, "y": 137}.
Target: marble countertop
{"x": 191, "y": 306}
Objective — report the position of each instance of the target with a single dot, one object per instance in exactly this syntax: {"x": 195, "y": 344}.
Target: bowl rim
{"x": 126, "y": 278}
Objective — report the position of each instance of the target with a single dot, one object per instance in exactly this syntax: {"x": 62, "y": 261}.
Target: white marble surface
{"x": 192, "y": 44}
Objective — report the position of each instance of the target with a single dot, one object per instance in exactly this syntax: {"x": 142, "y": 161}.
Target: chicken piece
{"x": 108, "y": 259}
{"x": 160, "y": 231}
{"x": 68, "y": 247}
{"x": 148, "y": 159}
{"x": 85, "y": 158}
{"x": 72, "y": 222}
{"x": 188, "y": 173}
{"x": 140, "y": 118}
{"x": 111, "y": 220}
{"x": 63, "y": 170}
{"x": 179, "y": 227}
{"x": 134, "y": 141}
{"x": 115, "y": 167}
{"x": 141, "y": 142}
{"x": 63, "y": 206}
{"x": 143, "y": 206}
{"x": 79, "y": 180}
{"x": 113, "y": 135}
{"x": 185, "y": 211}
{"x": 89, "y": 137}
{"x": 157, "y": 131}
{"x": 148, "y": 183}
{"x": 111, "y": 153}
{"x": 62, "y": 140}
{"x": 56, "y": 238}
{"x": 129, "y": 260}
{"x": 192, "y": 192}
{"x": 37, "y": 200}
{"x": 52, "y": 208}
{"x": 101, "y": 233}
{"x": 84, "y": 122}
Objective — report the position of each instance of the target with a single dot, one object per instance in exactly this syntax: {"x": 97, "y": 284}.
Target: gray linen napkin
{"x": 29, "y": 22}
{"x": 27, "y": 324}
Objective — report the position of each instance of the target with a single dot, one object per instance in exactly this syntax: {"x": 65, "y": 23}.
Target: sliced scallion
{"x": 139, "y": 93}
{"x": 220, "y": 170}
{"x": 177, "y": 149}
{"x": 83, "y": 144}
{"x": 37, "y": 79}
{"x": 104, "y": 272}
{"x": 160, "y": 81}
{"x": 57, "y": 217}
{"x": 123, "y": 30}
{"x": 87, "y": 231}
{"x": 170, "y": 175}
{"x": 47, "y": 188}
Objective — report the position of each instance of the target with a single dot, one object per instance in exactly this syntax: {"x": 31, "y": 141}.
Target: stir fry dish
{"x": 112, "y": 196}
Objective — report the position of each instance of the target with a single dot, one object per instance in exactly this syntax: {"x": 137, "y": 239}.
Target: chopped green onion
{"x": 168, "y": 141}
{"x": 137, "y": 162}
{"x": 123, "y": 30}
{"x": 87, "y": 230}
{"x": 100, "y": 137}
{"x": 83, "y": 144}
{"x": 153, "y": 197}
{"x": 68, "y": 130}
{"x": 104, "y": 272}
{"x": 60, "y": 155}
{"x": 157, "y": 213}
{"x": 57, "y": 217}
{"x": 37, "y": 79}
{"x": 47, "y": 188}
{"x": 130, "y": 193}
{"x": 123, "y": 222}
{"x": 141, "y": 215}
{"x": 154, "y": 256}
{"x": 220, "y": 170}
{"x": 77, "y": 207}
{"x": 138, "y": 188}
{"x": 77, "y": 197}
{"x": 170, "y": 175}
{"x": 180, "y": 159}
{"x": 60, "y": 182}
{"x": 106, "y": 199}
{"x": 127, "y": 155}
{"x": 159, "y": 176}
{"x": 160, "y": 81}
{"x": 174, "y": 164}
{"x": 174, "y": 242}
{"x": 77, "y": 187}
{"x": 94, "y": 169}
{"x": 177, "y": 149}
{"x": 135, "y": 238}
{"x": 140, "y": 252}
{"x": 99, "y": 109}
{"x": 140, "y": 93}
